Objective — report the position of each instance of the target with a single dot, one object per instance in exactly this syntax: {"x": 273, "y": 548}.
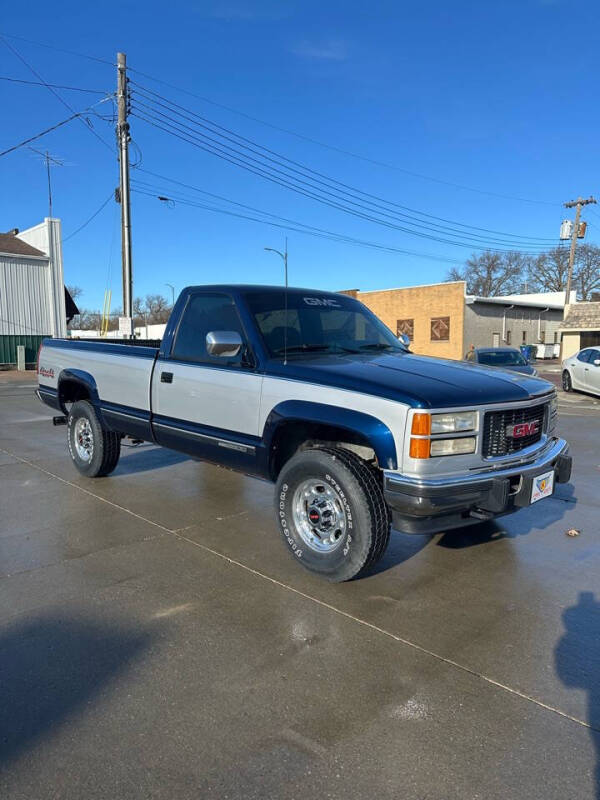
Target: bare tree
{"x": 586, "y": 274}
{"x": 548, "y": 272}
{"x": 158, "y": 308}
{"x": 75, "y": 291}
{"x": 491, "y": 274}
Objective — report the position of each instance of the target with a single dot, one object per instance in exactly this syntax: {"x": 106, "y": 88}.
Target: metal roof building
{"x": 32, "y": 293}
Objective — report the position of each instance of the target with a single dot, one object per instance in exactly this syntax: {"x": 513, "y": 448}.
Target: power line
{"x": 87, "y": 222}
{"x": 52, "y": 85}
{"x": 151, "y": 190}
{"x": 336, "y": 149}
{"x": 287, "y": 131}
{"x": 39, "y": 135}
{"x": 87, "y": 124}
{"x": 243, "y": 142}
{"x": 299, "y": 227}
{"x": 57, "y": 49}
{"x": 243, "y": 162}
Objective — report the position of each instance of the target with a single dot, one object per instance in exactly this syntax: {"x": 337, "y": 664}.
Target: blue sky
{"x": 498, "y": 97}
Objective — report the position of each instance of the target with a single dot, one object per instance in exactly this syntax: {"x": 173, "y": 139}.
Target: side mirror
{"x": 224, "y": 344}
{"x": 597, "y": 362}
{"x": 404, "y": 340}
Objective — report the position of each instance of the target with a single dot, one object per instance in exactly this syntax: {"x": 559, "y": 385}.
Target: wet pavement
{"x": 157, "y": 640}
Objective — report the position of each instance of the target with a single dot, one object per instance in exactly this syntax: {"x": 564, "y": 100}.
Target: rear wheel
{"x": 567, "y": 384}
{"x": 331, "y": 512}
{"x": 94, "y": 450}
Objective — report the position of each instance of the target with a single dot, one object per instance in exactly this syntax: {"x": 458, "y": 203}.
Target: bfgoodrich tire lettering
{"x": 94, "y": 450}
{"x": 352, "y": 499}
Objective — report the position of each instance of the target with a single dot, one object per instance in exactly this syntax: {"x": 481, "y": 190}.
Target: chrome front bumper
{"x": 431, "y": 505}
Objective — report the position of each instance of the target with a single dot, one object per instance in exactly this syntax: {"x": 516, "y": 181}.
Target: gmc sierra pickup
{"x": 311, "y": 391}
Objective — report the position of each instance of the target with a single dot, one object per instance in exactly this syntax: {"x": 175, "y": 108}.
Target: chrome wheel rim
{"x": 319, "y": 515}
{"x": 84, "y": 439}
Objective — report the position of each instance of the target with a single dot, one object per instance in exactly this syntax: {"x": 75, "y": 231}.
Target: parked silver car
{"x": 581, "y": 371}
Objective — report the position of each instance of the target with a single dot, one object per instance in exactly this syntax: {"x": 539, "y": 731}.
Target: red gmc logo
{"x": 522, "y": 429}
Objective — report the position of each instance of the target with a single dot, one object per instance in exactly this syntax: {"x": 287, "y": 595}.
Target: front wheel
{"x": 94, "y": 450}
{"x": 331, "y": 512}
{"x": 567, "y": 384}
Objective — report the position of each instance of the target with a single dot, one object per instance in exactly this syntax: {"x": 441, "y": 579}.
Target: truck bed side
{"x": 116, "y": 376}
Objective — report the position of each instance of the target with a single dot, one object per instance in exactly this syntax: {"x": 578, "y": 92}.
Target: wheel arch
{"x": 295, "y": 422}
{"x": 76, "y": 384}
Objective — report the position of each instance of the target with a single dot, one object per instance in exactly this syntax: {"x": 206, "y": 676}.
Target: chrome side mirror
{"x": 404, "y": 340}
{"x": 597, "y": 362}
{"x": 224, "y": 344}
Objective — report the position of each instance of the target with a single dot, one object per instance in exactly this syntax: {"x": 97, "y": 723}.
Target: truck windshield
{"x": 319, "y": 324}
{"x": 502, "y": 358}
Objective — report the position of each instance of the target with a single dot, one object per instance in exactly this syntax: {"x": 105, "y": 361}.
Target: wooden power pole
{"x": 577, "y": 204}
{"x": 123, "y": 143}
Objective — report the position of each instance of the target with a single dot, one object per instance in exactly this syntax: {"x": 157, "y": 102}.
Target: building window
{"x": 555, "y": 337}
{"x": 406, "y": 327}
{"x": 440, "y": 329}
{"x": 508, "y": 337}
{"x": 524, "y": 337}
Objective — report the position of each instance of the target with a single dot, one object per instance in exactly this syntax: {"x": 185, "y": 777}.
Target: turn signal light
{"x": 419, "y": 448}
{"x": 421, "y": 425}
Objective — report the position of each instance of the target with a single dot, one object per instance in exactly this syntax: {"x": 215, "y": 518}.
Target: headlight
{"x": 454, "y": 423}
{"x": 453, "y": 447}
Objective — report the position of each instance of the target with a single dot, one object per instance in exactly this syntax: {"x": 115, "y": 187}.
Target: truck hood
{"x": 418, "y": 381}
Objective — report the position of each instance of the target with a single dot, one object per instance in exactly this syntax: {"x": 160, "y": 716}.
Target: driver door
{"x": 202, "y": 404}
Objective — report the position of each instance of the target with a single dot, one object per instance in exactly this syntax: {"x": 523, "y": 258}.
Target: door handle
{"x": 166, "y": 377}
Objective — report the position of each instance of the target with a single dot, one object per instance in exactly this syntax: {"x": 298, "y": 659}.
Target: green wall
{"x": 8, "y": 348}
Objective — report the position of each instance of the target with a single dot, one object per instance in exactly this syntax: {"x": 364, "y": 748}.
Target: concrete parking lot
{"x": 157, "y": 640}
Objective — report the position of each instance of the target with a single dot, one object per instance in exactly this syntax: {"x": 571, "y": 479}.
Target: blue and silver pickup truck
{"x": 311, "y": 391}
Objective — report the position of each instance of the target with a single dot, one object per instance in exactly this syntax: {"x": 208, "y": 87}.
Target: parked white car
{"x": 581, "y": 371}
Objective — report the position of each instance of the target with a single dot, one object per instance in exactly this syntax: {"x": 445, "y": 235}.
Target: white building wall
{"x": 24, "y": 296}
{"x": 47, "y": 237}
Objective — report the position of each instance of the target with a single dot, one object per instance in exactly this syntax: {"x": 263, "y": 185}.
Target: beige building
{"x": 431, "y": 316}
{"x": 581, "y": 327}
{"x": 441, "y": 320}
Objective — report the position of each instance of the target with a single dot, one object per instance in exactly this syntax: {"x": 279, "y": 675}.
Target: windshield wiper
{"x": 378, "y": 346}
{"x": 301, "y": 348}
{"x": 314, "y": 348}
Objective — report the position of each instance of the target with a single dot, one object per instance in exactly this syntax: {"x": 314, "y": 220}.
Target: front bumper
{"x": 431, "y": 505}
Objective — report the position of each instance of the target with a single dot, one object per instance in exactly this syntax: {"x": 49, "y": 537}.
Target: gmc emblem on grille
{"x": 522, "y": 429}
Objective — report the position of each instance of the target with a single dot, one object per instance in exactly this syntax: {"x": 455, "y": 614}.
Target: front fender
{"x": 373, "y": 430}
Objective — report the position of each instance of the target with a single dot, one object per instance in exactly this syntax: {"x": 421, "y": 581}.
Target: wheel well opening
{"x": 300, "y": 435}
{"x": 71, "y": 391}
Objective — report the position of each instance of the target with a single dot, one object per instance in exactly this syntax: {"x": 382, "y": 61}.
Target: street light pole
{"x": 172, "y": 293}
{"x": 283, "y": 256}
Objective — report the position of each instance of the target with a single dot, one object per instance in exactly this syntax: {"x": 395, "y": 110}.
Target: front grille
{"x": 495, "y": 440}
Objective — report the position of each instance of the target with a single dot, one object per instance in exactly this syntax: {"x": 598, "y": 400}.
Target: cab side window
{"x": 584, "y": 355}
{"x": 205, "y": 313}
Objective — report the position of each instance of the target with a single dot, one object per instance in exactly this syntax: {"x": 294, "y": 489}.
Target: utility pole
{"x": 577, "y": 204}
{"x": 123, "y": 142}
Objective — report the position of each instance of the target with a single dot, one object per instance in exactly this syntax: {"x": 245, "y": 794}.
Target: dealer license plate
{"x": 543, "y": 486}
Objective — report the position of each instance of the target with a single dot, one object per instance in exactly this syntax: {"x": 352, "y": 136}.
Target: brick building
{"x": 442, "y": 320}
